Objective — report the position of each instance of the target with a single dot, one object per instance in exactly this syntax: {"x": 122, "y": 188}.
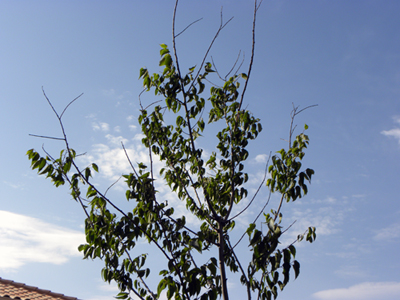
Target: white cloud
{"x": 363, "y": 291}
{"x": 100, "y": 126}
{"x": 103, "y": 298}
{"x": 111, "y": 157}
{"x": 116, "y": 140}
{"x": 395, "y": 132}
{"x": 25, "y": 239}
{"x": 117, "y": 129}
{"x": 138, "y": 137}
{"x": 261, "y": 158}
{"x": 108, "y": 287}
{"x": 389, "y": 233}
{"x": 112, "y": 162}
{"x": 132, "y": 127}
{"x": 91, "y": 116}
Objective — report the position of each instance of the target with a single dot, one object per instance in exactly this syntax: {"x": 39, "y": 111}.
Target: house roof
{"x": 14, "y": 290}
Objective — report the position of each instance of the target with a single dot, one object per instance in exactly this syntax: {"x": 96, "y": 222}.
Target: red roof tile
{"x": 15, "y": 290}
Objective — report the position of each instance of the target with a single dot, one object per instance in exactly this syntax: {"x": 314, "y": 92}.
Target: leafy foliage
{"x": 210, "y": 187}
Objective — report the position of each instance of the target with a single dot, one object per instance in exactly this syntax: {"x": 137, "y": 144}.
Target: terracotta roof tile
{"x": 15, "y": 290}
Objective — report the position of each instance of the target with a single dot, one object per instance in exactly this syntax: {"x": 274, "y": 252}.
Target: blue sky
{"x": 342, "y": 55}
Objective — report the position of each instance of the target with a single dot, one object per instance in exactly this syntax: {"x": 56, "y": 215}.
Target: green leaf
{"x": 122, "y": 295}
{"x": 95, "y": 167}
{"x": 292, "y": 250}
{"x": 296, "y": 268}
{"x": 164, "y": 51}
{"x": 166, "y": 60}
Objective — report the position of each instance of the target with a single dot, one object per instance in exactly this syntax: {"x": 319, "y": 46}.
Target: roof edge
{"x": 34, "y": 289}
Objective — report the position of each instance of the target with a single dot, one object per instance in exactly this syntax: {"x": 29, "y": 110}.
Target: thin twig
{"x": 237, "y": 59}
{"x": 240, "y": 66}
{"x": 216, "y": 69}
{"x": 289, "y": 227}
{"x": 129, "y": 160}
{"x": 188, "y": 27}
{"x": 105, "y": 193}
{"x": 70, "y": 104}
{"x": 222, "y": 25}
{"x": 252, "y": 52}
{"x": 47, "y": 137}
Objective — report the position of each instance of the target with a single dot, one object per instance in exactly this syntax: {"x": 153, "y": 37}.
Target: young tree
{"x": 197, "y": 258}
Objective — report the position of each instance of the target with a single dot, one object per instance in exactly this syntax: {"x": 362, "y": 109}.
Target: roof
{"x": 14, "y": 290}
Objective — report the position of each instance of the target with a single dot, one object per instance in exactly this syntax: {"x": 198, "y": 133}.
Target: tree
{"x": 197, "y": 258}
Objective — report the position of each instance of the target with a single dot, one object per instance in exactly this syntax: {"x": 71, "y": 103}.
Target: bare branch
{"x": 188, "y": 27}
{"x": 293, "y": 114}
{"x": 70, "y": 104}
{"x": 279, "y": 207}
{"x": 115, "y": 182}
{"x": 230, "y": 71}
{"x": 240, "y": 66}
{"x": 209, "y": 48}
{"x": 51, "y": 105}
{"x": 237, "y": 59}
{"x": 289, "y": 226}
{"x": 47, "y": 137}
{"x": 256, "y": 7}
{"x": 216, "y": 69}
{"x": 129, "y": 160}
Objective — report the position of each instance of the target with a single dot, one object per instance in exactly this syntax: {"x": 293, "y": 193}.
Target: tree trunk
{"x": 222, "y": 262}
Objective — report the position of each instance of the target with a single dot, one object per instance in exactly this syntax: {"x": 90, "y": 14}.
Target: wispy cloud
{"x": 325, "y": 219}
{"x": 327, "y": 215}
{"x": 25, "y": 239}
{"x": 13, "y": 185}
{"x": 363, "y": 291}
{"x": 389, "y": 233}
{"x": 352, "y": 271}
{"x": 395, "y": 132}
{"x": 113, "y": 94}
{"x": 100, "y": 126}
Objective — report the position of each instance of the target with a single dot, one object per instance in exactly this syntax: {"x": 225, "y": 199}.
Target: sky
{"x": 343, "y": 56}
